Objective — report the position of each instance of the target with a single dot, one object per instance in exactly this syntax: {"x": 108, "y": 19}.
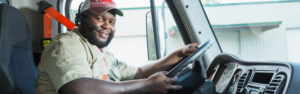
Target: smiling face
{"x": 106, "y": 24}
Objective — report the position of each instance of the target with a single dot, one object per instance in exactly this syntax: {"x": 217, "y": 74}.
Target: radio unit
{"x": 263, "y": 81}
{"x": 262, "y": 77}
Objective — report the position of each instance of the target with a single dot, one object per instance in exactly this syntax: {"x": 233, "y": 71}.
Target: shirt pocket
{"x": 114, "y": 74}
{"x": 113, "y": 68}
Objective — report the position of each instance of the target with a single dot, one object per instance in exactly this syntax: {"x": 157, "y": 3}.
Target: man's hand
{"x": 165, "y": 62}
{"x": 159, "y": 83}
{"x": 187, "y": 50}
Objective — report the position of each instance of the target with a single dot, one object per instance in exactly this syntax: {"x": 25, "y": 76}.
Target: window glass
{"x": 261, "y": 30}
{"x": 169, "y": 35}
{"x": 4, "y": 1}
{"x": 152, "y": 56}
{"x": 74, "y": 9}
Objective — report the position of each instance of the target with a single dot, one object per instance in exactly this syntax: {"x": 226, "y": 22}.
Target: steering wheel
{"x": 186, "y": 61}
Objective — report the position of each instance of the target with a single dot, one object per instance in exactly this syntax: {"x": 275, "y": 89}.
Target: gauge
{"x": 225, "y": 78}
{"x": 214, "y": 72}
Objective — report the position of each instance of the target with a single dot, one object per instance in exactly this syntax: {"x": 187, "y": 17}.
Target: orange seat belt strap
{"x": 47, "y": 26}
{"x": 60, "y": 18}
{"x": 105, "y": 76}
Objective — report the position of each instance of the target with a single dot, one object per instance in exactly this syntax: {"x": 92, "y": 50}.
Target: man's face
{"x": 106, "y": 23}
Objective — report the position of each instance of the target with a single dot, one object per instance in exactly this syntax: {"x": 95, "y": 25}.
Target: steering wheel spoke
{"x": 186, "y": 61}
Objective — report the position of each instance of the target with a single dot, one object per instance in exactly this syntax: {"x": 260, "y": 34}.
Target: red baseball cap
{"x": 100, "y": 6}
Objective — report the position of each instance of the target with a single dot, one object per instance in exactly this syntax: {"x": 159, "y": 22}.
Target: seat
{"x": 18, "y": 73}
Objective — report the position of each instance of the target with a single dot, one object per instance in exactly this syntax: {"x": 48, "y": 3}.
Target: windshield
{"x": 258, "y": 29}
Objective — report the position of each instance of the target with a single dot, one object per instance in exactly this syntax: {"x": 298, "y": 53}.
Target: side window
{"x": 169, "y": 38}
{"x": 74, "y": 9}
{"x": 173, "y": 39}
{"x": 152, "y": 56}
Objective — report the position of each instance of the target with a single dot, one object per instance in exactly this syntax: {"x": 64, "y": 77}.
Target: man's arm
{"x": 157, "y": 83}
{"x": 166, "y": 62}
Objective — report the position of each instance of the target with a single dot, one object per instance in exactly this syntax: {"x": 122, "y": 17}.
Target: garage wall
{"x": 132, "y": 50}
{"x": 293, "y": 44}
{"x": 130, "y": 41}
{"x": 229, "y": 40}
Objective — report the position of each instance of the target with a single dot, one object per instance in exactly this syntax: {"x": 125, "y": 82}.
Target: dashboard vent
{"x": 275, "y": 85}
{"x": 242, "y": 82}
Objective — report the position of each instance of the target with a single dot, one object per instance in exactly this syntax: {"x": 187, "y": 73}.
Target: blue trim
{"x": 242, "y": 25}
{"x": 248, "y": 3}
{"x": 217, "y": 5}
{"x": 247, "y": 25}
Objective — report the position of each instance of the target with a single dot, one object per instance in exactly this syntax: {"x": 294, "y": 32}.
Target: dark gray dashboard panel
{"x": 294, "y": 85}
{"x": 262, "y": 68}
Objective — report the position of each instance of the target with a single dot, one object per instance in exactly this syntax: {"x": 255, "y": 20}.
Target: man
{"x": 78, "y": 62}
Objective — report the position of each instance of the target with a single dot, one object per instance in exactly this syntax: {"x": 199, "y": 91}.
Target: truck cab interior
{"x": 247, "y": 47}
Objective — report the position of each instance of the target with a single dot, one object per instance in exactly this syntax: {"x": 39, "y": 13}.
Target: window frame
{"x": 177, "y": 20}
{"x": 155, "y": 29}
{"x": 63, "y": 7}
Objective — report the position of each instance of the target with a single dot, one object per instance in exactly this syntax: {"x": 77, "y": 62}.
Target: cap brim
{"x": 100, "y": 8}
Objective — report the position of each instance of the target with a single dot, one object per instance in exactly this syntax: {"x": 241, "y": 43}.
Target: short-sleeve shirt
{"x": 70, "y": 56}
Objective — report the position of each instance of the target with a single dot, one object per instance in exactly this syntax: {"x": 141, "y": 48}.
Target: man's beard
{"x": 91, "y": 35}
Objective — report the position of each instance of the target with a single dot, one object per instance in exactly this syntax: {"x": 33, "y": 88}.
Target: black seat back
{"x": 18, "y": 72}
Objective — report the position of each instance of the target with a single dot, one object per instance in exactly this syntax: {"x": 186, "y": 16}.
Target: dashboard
{"x": 233, "y": 74}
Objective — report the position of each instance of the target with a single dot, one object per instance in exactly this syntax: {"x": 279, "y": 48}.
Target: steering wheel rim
{"x": 184, "y": 63}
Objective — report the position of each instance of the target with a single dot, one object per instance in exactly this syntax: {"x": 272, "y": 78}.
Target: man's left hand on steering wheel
{"x": 187, "y": 50}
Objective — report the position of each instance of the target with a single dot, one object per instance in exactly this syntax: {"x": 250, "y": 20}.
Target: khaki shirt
{"x": 70, "y": 56}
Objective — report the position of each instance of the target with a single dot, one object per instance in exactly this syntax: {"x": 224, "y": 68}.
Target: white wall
{"x": 129, "y": 43}
{"x": 132, "y": 50}
{"x": 255, "y": 43}
{"x": 133, "y": 23}
{"x": 293, "y": 44}
{"x": 229, "y": 41}
{"x": 253, "y": 13}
